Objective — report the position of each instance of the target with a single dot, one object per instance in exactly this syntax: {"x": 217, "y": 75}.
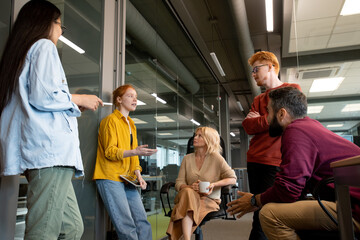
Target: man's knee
{"x": 267, "y": 213}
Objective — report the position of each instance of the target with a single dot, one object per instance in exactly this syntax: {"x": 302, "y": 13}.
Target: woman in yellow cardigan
{"x": 117, "y": 154}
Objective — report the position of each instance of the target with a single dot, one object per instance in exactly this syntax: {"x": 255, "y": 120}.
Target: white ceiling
{"x": 315, "y": 28}
{"x": 319, "y": 25}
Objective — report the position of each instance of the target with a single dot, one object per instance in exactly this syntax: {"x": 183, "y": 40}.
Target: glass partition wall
{"x": 176, "y": 94}
{"x": 83, "y": 20}
{"x": 176, "y": 90}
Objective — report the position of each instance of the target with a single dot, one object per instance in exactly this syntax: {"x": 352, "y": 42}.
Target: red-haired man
{"x": 263, "y": 156}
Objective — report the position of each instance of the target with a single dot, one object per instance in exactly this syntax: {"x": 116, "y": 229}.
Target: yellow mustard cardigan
{"x": 113, "y": 140}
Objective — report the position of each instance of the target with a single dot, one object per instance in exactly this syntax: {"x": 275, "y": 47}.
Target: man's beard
{"x": 275, "y": 130}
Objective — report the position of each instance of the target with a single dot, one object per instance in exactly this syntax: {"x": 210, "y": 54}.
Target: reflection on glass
{"x": 83, "y": 20}
{"x": 167, "y": 73}
{"x": 5, "y": 9}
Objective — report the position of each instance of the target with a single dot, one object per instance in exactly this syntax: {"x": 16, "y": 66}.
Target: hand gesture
{"x": 85, "y": 101}
{"x": 142, "y": 150}
{"x": 241, "y": 205}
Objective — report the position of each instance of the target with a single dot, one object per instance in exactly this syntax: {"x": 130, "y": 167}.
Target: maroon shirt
{"x": 307, "y": 150}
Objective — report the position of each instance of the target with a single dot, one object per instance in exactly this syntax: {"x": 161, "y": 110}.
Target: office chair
{"x": 226, "y": 196}
{"x": 220, "y": 214}
{"x": 321, "y": 189}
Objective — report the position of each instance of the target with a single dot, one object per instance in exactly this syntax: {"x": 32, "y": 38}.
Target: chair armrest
{"x": 227, "y": 189}
{"x": 225, "y": 199}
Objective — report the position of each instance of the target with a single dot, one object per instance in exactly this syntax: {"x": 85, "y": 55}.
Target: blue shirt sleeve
{"x": 48, "y": 89}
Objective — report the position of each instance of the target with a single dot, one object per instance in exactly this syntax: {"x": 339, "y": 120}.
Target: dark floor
{"x": 228, "y": 229}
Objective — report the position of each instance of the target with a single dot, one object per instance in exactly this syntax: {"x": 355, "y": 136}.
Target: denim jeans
{"x": 126, "y": 210}
{"x": 53, "y": 211}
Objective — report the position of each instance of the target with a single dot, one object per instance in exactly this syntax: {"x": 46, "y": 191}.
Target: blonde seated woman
{"x": 205, "y": 164}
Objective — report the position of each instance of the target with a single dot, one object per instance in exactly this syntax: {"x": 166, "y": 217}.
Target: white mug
{"x": 203, "y": 186}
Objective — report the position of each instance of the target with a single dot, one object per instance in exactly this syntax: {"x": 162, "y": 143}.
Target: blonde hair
{"x": 211, "y": 138}
{"x": 265, "y": 56}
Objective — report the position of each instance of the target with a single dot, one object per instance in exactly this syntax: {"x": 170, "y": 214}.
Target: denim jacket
{"x": 38, "y": 128}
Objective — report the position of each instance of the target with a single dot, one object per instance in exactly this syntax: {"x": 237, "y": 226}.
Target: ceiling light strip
{"x": 269, "y": 15}
{"x": 240, "y": 106}
{"x": 217, "y": 63}
{"x": 158, "y": 99}
{"x": 195, "y": 122}
{"x": 71, "y": 44}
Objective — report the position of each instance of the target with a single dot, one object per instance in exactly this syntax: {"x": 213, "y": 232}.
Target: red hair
{"x": 119, "y": 92}
{"x": 265, "y": 56}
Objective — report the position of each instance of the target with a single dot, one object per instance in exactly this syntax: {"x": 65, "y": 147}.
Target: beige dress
{"x": 213, "y": 169}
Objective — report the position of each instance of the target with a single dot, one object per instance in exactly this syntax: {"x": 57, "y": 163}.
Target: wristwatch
{"x": 253, "y": 201}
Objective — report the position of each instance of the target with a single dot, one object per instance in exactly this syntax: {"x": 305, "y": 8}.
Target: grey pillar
{"x": 9, "y": 186}
{"x": 112, "y": 75}
{"x": 244, "y": 147}
{"x": 9, "y": 191}
{"x": 225, "y": 125}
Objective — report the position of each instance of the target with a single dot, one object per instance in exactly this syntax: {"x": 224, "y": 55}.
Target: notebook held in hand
{"x": 130, "y": 180}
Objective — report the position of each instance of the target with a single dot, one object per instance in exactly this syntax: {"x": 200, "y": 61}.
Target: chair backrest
{"x": 165, "y": 189}
{"x": 190, "y": 145}
{"x": 170, "y": 172}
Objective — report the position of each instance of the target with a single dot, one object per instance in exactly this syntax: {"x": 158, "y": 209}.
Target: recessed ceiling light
{"x": 350, "y": 7}
{"x": 163, "y": 119}
{"x": 138, "y": 121}
{"x": 315, "y": 109}
{"x": 165, "y": 134}
{"x": 334, "y": 125}
{"x": 232, "y": 134}
{"x": 326, "y": 84}
{"x": 354, "y": 107}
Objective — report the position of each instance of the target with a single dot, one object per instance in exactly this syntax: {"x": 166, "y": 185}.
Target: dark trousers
{"x": 261, "y": 177}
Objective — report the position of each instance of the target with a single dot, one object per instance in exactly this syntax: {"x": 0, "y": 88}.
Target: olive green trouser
{"x": 53, "y": 212}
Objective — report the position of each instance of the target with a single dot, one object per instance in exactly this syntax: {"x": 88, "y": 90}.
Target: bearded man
{"x": 307, "y": 150}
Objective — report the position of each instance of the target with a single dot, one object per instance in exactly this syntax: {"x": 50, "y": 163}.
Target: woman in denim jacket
{"x": 38, "y": 126}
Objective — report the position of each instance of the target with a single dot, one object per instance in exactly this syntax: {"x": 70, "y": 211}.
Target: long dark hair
{"x": 33, "y": 22}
